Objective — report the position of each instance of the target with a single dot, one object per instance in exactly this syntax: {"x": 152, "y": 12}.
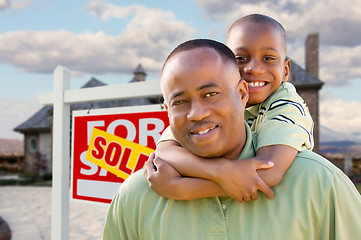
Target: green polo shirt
{"x": 315, "y": 200}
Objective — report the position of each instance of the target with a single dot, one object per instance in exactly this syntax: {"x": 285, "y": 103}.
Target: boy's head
{"x": 259, "y": 44}
{"x": 205, "y": 98}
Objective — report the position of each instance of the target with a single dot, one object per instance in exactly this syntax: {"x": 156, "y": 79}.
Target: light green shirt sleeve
{"x": 283, "y": 119}
{"x": 286, "y": 126}
{"x": 167, "y": 135}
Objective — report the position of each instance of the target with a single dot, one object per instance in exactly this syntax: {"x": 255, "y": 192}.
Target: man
{"x": 205, "y": 100}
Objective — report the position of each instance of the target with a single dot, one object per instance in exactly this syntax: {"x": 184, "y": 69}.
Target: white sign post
{"x": 61, "y": 99}
{"x": 61, "y": 139}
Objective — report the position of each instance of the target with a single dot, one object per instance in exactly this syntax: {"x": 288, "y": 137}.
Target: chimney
{"x": 139, "y": 73}
{"x": 311, "y": 60}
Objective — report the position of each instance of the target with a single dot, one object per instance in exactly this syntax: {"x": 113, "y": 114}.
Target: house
{"x": 37, "y": 129}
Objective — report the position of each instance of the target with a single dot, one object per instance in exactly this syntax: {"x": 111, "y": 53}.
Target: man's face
{"x": 260, "y": 51}
{"x": 205, "y": 103}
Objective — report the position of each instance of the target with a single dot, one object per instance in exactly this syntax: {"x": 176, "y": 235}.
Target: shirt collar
{"x": 253, "y": 110}
{"x": 249, "y": 149}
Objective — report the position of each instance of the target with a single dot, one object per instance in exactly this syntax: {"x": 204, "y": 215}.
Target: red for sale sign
{"x": 142, "y": 124}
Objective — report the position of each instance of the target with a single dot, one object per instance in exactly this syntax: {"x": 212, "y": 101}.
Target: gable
{"x": 303, "y": 79}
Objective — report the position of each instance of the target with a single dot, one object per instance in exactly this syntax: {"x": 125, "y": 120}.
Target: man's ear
{"x": 165, "y": 105}
{"x": 242, "y": 88}
{"x": 287, "y": 70}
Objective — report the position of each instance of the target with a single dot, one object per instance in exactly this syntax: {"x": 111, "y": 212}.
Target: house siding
{"x": 37, "y": 147}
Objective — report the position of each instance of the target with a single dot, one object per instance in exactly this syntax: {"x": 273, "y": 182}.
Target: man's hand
{"x": 239, "y": 179}
{"x": 168, "y": 183}
{"x": 162, "y": 177}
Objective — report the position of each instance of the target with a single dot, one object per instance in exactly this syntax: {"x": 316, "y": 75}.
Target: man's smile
{"x": 202, "y": 132}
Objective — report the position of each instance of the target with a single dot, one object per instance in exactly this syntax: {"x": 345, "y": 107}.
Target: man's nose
{"x": 198, "y": 111}
{"x": 253, "y": 67}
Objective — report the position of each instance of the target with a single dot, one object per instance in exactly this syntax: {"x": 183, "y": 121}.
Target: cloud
{"x": 14, "y": 111}
{"x": 340, "y": 65}
{"x": 4, "y": 4}
{"x": 147, "y": 39}
{"x": 18, "y": 5}
{"x": 340, "y": 116}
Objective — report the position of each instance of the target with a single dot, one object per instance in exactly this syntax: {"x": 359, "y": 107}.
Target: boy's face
{"x": 261, "y": 52}
{"x": 205, "y": 102}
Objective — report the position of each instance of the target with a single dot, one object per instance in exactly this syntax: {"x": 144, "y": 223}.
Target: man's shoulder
{"x": 312, "y": 162}
{"x": 134, "y": 184}
{"x": 311, "y": 174}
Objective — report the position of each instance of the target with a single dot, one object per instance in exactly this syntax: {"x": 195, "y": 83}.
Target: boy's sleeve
{"x": 286, "y": 121}
{"x": 288, "y": 127}
{"x": 166, "y": 135}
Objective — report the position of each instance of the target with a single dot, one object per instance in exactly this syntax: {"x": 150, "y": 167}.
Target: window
{"x": 33, "y": 144}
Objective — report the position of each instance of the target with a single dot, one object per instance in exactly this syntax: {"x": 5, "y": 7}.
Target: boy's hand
{"x": 162, "y": 177}
{"x": 239, "y": 179}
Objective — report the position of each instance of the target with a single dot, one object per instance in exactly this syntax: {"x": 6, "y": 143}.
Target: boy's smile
{"x": 261, "y": 55}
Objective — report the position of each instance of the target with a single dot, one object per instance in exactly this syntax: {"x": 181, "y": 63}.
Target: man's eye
{"x": 179, "y": 102}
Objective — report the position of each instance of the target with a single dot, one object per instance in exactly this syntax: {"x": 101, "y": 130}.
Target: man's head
{"x": 259, "y": 44}
{"x": 205, "y": 98}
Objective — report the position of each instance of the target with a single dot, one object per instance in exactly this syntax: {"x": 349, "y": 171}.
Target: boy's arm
{"x": 168, "y": 183}
{"x": 237, "y": 178}
{"x": 282, "y": 156}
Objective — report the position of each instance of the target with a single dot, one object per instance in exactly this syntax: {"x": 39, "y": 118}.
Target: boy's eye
{"x": 241, "y": 59}
{"x": 210, "y": 94}
{"x": 269, "y": 58}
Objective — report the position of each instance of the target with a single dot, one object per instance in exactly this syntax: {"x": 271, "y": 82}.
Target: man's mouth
{"x": 256, "y": 84}
{"x": 203, "y": 132}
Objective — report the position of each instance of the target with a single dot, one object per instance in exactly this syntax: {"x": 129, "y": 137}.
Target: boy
{"x": 275, "y": 112}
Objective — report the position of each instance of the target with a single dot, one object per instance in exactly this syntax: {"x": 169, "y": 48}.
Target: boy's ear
{"x": 242, "y": 88}
{"x": 287, "y": 70}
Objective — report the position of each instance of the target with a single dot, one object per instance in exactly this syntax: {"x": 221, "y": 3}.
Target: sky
{"x": 108, "y": 39}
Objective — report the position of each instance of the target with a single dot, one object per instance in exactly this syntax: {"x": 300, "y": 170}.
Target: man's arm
{"x": 282, "y": 156}
{"x": 238, "y": 179}
{"x": 168, "y": 183}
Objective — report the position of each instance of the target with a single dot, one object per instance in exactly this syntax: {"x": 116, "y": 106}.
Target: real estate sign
{"x": 119, "y": 140}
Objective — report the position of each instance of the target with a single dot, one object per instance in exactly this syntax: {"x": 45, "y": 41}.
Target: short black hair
{"x": 263, "y": 19}
{"x": 224, "y": 52}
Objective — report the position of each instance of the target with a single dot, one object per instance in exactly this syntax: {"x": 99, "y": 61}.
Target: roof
{"x": 39, "y": 122}
{"x": 303, "y": 79}
{"x": 93, "y": 82}
{"x": 139, "y": 69}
